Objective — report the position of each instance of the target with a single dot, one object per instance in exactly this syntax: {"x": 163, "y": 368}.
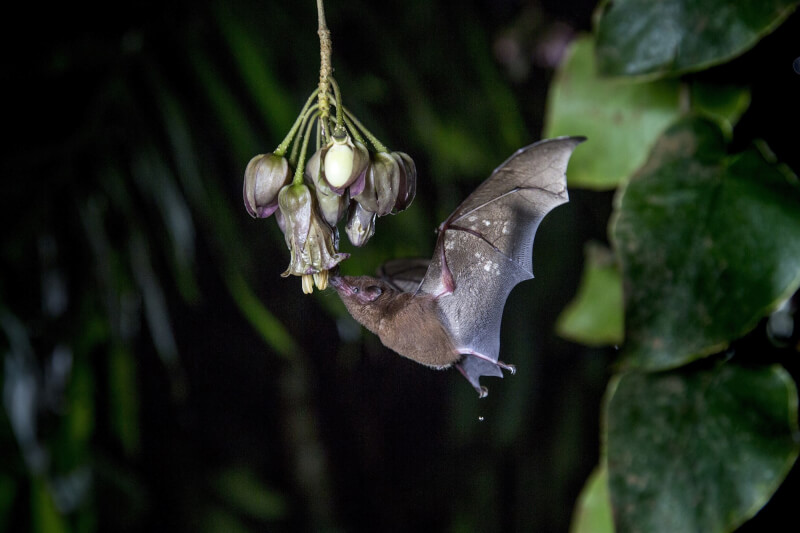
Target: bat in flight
{"x": 447, "y": 311}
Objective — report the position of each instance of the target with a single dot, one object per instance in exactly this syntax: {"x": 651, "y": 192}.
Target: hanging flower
{"x": 408, "y": 181}
{"x": 263, "y": 178}
{"x": 332, "y": 205}
{"x": 344, "y": 163}
{"x": 381, "y": 184}
{"x": 360, "y": 225}
{"x": 312, "y": 242}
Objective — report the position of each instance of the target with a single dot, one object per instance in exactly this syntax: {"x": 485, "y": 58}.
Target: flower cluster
{"x": 351, "y": 174}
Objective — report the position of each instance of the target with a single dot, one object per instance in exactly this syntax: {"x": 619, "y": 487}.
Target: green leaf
{"x": 723, "y": 103}
{"x": 621, "y": 118}
{"x": 595, "y": 316}
{"x": 593, "y": 511}
{"x": 123, "y": 401}
{"x": 708, "y": 243}
{"x": 45, "y": 517}
{"x": 243, "y": 491}
{"x": 661, "y": 38}
{"x": 724, "y": 437}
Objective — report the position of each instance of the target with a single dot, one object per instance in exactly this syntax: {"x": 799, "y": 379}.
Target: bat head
{"x": 363, "y": 290}
{"x": 366, "y": 298}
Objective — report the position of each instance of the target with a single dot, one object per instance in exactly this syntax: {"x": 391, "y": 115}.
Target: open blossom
{"x": 312, "y": 242}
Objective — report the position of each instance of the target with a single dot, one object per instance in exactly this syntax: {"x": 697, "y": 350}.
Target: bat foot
{"x": 510, "y": 368}
{"x": 483, "y": 391}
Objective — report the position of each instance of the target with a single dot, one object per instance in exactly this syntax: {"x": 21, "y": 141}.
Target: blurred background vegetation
{"x": 159, "y": 375}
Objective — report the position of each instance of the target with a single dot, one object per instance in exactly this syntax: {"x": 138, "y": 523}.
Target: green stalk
{"x": 301, "y": 165}
{"x": 281, "y": 149}
{"x": 379, "y": 147}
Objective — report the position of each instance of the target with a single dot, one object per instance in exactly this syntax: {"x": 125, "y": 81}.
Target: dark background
{"x": 207, "y": 393}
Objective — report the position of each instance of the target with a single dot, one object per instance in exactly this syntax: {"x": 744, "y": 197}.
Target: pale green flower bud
{"x": 332, "y": 206}
{"x": 344, "y": 164}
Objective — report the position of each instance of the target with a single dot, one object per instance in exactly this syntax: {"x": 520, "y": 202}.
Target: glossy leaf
{"x": 661, "y": 38}
{"x": 593, "y": 511}
{"x": 724, "y": 437}
{"x": 708, "y": 242}
{"x": 623, "y": 119}
{"x": 595, "y": 315}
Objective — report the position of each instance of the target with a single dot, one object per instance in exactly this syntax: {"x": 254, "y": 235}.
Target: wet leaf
{"x": 725, "y": 437}
{"x": 595, "y": 315}
{"x": 709, "y": 243}
{"x": 663, "y": 38}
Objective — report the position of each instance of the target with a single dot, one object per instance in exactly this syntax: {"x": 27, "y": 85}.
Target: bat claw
{"x": 483, "y": 392}
{"x": 510, "y": 368}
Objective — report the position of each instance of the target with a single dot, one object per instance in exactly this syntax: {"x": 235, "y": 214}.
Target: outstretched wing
{"x": 484, "y": 249}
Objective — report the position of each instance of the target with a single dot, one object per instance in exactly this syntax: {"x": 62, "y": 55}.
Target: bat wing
{"x": 484, "y": 249}
{"x": 404, "y": 275}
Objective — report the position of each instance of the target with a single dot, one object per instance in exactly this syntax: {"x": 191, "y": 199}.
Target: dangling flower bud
{"x": 360, "y": 225}
{"x": 333, "y": 206}
{"x": 312, "y": 242}
{"x": 381, "y": 184}
{"x": 344, "y": 163}
{"x": 408, "y": 181}
{"x": 263, "y": 178}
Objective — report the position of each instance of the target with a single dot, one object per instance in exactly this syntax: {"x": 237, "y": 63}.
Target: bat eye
{"x": 355, "y": 290}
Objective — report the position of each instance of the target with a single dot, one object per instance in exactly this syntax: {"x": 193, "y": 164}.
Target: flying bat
{"x": 447, "y": 311}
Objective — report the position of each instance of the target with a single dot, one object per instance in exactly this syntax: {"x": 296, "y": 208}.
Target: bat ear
{"x": 473, "y": 366}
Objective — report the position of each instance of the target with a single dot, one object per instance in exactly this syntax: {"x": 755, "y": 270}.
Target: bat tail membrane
{"x": 473, "y": 365}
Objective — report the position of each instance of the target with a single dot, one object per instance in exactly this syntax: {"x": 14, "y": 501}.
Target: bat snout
{"x": 341, "y": 286}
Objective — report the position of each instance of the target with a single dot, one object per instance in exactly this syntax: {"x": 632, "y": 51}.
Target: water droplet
{"x": 480, "y": 419}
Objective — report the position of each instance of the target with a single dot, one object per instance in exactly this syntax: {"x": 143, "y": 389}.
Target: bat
{"x": 447, "y": 311}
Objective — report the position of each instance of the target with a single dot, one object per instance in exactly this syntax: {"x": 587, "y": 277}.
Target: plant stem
{"x": 353, "y": 130}
{"x": 379, "y": 147}
{"x": 281, "y": 149}
{"x": 338, "y": 96}
{"x": 310, "y": 113}
{"x": 325, "y": 68}
{"x": 301, "y": 164}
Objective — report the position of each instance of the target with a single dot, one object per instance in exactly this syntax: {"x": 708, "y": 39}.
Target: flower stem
{"x": 281, "y": 149}
{"x": 325, "y": 68}
{"x": 311, "y": 112}
{"x": 353, "y": 130}
{"x": 339, "y": 106}
{"x": 379, "y": 147}
{"x": 301, "y": 165}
